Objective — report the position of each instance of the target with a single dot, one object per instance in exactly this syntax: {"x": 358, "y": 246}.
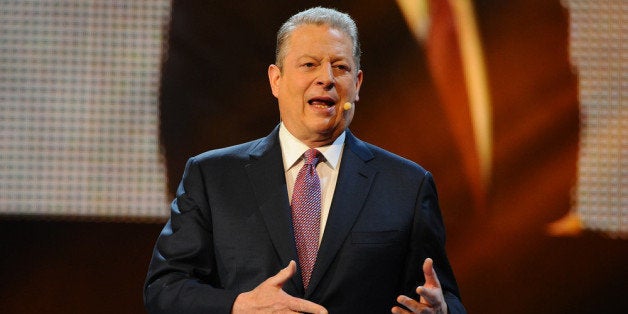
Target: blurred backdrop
{"x": 503, "y": 101}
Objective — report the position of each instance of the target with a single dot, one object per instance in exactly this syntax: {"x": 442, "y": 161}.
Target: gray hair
{"x": 318, "y": 16}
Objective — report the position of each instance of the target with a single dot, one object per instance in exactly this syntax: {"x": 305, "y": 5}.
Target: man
{"x": 275, "y": 226}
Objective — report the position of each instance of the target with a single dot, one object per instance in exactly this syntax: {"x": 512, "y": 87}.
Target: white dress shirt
{"x": 292, "y": 150}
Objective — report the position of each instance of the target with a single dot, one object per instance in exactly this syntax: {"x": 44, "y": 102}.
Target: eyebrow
{"x": 308, "y": 57}
{"x": 336, "y": 59}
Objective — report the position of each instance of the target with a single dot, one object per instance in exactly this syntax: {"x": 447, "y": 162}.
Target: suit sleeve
{"x": 428, "y": 240}
{"x": 182, "y": 276}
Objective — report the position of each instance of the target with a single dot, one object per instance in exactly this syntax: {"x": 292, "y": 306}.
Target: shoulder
{"x": 221, "y": 162}
{"x": 388, "y": 157}
{"x": 235, "y": 152}
{"x": 241, "y": 152}
{"x": 396, "y": 172}
{"x": 384, "y": 159}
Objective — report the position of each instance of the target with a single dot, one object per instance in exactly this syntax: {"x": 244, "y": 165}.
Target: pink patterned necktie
{"x": 306, "y": 213}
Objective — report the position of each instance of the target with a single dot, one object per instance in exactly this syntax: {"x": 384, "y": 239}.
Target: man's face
{"x": 318, "y": 76}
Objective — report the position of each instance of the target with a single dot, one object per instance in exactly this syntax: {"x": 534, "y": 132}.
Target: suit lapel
{"x": 266, "y": 175}
{"x": 352, "y": 188}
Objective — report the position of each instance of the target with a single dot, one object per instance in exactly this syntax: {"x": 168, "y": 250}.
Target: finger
{"x": 305, "y": 306}
{"x": 429, "y": 296}
{"x": 283, "y": 275}
{"x": 431, "y": 280}
{"x": 411, "y": 304}
{"x": 398, "y": 310}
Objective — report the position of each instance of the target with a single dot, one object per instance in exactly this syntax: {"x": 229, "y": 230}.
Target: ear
{"x": 358, "y": 83}
{"x": 274, "y": 78}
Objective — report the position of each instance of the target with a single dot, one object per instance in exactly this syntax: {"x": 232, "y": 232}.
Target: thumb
{"x": 283, "y": 275}
{"x": 431, "y": 280}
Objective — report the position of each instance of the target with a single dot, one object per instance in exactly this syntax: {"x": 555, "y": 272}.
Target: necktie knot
{"x": 312, "y": 156}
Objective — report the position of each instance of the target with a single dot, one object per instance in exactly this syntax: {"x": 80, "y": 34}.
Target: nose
{"x": 326, "y": 77}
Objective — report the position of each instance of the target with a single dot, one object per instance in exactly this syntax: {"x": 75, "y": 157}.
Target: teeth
{"x": 321, "y": 104}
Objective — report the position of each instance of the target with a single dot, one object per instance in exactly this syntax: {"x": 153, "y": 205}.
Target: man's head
{"x": 317, "y": 72}
{"x": 318, "y": 16}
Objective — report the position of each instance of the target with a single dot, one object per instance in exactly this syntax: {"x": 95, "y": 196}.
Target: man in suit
{"x": 308, "y": 219}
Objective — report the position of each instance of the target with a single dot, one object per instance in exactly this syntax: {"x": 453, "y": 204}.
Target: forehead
{"x": 310, "y": 38}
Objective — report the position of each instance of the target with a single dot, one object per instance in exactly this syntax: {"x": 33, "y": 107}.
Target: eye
{"x": 308, "y": 65}
{"x": 342, "y": 67}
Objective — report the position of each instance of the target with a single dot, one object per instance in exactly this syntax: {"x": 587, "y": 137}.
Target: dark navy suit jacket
{"x": 230, "y": 229}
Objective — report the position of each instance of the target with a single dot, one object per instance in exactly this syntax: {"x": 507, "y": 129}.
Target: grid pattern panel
{"x": 79, "y": 119}
{"x": 599, "y": 46}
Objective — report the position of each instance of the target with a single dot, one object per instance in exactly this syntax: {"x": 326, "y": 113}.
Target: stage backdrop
{"x": 102, "y": 102}
{"x": 79, "y": 114}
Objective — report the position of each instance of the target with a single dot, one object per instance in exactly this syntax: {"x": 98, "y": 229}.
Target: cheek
{"x": 298, "y": 84}
{"x": 291, "y": 98}
{"x": 348, "y": 88}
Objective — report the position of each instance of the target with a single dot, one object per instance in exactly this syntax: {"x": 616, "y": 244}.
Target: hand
{"x": 432, "y": 300}
{"x": 269, "y": 297}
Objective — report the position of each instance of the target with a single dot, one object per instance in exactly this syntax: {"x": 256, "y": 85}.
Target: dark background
{"x": 215, "y": 93}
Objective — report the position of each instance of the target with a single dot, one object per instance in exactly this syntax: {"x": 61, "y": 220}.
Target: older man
{"x": 308, "y": 219}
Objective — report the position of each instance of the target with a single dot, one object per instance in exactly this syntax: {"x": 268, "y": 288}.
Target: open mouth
{"x": 322, "y": 102}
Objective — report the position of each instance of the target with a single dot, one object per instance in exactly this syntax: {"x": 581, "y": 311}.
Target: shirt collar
{"x": 293, "y": 149}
